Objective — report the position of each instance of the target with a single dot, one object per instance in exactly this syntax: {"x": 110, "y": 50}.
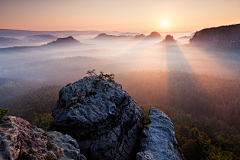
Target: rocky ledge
{"x": 158, "y": 140}
{"x": 101, "y": 116}
{"x": 20, "y": 140}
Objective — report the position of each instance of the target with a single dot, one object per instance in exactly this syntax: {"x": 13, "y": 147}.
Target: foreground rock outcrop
{"x": 101, "y": 116}
{"x": 23, "y": 141}
{"x": 96, "y": 116}
{"x": 158, "y": 141}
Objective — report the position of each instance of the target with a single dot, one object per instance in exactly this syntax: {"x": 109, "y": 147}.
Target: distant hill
{"x": 40, "y": 38}
{"x": 140, "y": 37}
{"x": 154, "y": 35}
{"x": 60, "y": 42}
{"x": 169, "y": 40}
{"x": 104, "y": 36}
{"x": 63, "y": 42}
{"x": 17, "y": 33}
{"x": 7, "y": 42}
{"x": 184, "y": 39}
{"x": 225, "y": 36}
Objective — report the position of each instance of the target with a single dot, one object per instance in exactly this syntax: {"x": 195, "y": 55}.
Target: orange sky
{"x": 121, "y": 15}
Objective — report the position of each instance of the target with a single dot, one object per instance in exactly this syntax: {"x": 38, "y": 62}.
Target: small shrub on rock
{"x": 3, "y": 112}
{"x": 109, "y": 77}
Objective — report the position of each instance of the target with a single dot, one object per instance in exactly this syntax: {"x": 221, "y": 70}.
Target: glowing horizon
{"x": 118, "y": 15}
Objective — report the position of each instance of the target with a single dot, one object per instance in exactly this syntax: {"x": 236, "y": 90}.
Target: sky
{"x": 118, "y": 15}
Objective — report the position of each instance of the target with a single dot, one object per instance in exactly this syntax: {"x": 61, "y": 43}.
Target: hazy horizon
{"x": 125, "y": 16}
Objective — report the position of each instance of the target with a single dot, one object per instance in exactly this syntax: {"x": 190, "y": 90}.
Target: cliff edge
{"x": 225, "y": 36}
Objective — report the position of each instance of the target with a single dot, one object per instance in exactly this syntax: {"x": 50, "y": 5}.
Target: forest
{"x": 204, "y": 108}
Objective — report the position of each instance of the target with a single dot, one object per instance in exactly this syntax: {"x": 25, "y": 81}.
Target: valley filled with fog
{"x": 63, "y": 63}
{"x": 192, "y": 77}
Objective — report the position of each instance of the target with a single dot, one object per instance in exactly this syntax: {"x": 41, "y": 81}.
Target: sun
{"x": 165, "y": 23}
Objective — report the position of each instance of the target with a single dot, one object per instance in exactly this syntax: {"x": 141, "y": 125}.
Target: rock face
{"x": 23, "y": 141}
{"x": 158, "y": 141}
{"x": 69, "y": 146}
{"x": 100, "y": 115}
{"x": 219, "y": 36}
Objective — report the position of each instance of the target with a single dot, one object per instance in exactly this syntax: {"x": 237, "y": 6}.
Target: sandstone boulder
{"x": 101, "y": 116}
{"x": 158, "y": 141}
{"x": 23, "y": 141}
